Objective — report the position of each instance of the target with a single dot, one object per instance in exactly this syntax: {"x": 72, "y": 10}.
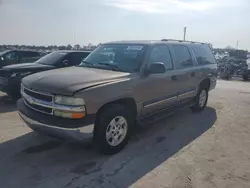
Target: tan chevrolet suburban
{"x": 118, "y": 86}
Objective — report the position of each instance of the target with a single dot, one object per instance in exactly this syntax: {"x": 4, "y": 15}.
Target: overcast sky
{"x": 46, "y": 22}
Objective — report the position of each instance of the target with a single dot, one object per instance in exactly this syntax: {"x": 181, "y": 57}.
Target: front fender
{"x": 96, "y": 97}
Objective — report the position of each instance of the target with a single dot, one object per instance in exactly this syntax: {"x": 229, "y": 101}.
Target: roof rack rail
{"x": 180, "y": 41}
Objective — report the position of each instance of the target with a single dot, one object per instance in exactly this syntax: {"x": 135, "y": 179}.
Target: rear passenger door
{"x": 184, "y": 73}
{"x": 206, "y": 66}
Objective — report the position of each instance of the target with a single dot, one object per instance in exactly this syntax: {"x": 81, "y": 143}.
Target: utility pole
{"x": 74, "y": 36}
{"x": 237, "y": 44}
{"x": 185, "y": 30}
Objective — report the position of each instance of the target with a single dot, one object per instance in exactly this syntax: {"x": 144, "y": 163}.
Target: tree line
{"x": 48, "y": 48}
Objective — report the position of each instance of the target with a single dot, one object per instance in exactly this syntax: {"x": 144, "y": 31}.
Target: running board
{"x": 164, "y": 113}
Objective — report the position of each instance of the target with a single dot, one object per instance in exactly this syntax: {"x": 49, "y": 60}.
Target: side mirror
{"x": 156, "y": 68}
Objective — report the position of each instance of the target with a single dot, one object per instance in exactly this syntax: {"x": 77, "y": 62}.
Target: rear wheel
{"x": 201, "y": 100}
{"x": 113, "y": 128}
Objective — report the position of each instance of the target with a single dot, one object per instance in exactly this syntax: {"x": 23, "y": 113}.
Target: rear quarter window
{"x": 203, "y": 54}
{"x": 29, "y": 54}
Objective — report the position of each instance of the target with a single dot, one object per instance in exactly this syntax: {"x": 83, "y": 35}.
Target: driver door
{"x": 158, "y": 91}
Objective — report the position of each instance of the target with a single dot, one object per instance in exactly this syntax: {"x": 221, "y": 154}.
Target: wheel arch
{"x": 205, "y": 83}
{"x": 128, "y": 102}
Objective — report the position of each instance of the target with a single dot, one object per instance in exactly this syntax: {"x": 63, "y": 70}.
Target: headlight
{"x": 71, "y": 101}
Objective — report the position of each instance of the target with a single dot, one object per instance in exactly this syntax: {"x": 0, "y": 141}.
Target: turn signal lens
{"x": 71, "y": 115}
{"x": 78, "y": 115}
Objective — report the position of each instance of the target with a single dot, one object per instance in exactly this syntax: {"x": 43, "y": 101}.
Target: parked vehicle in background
{"x": 246, "y": 74}
{"x": 233, "y": 65}
{"x": 117, "y": 85}
{"x": 10, "y": 57}
{"x": 11, "y": 76}
{"x": 45, "y": 53}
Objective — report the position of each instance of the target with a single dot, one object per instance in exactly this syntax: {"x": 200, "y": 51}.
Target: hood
{"x": 26, "y": 67}
{"x": 67, "y": 81}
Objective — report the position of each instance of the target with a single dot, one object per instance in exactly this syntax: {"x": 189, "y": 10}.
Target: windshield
{"x": 117, "y": 57}
{"x": 52, "y": 58}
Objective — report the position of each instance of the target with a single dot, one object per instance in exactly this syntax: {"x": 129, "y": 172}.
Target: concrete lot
{"x": 210, "y": 149}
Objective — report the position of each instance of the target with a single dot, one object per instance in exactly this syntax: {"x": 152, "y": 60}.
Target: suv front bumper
{"x": 69, "y": 129}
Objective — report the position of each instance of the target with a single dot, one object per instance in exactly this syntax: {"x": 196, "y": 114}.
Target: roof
{"x": 20, "y": 50}
{"x": 70, "y": 51}
{"x": 148, "y": 42}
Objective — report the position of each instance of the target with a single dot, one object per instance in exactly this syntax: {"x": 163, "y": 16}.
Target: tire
{"x": 200, "y": 100}
{"x": 113, "y": 128}
{"x": 245, "y": 77}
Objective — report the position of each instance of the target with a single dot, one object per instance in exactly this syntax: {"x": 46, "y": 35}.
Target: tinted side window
{"x": 32, "y": 54}
{"x": 203, "y": 54}
{"x": 25, "y": 54}
{"x": 78, "y": 57}
{"x": 161, "y": 54}
{"x": 183, "y": 57}
{"x": 37, "y": 54}
{"x": 11, "y": 56}
{"x": 74, "y": 59}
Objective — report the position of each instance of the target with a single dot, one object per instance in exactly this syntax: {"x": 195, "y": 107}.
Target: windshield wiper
{"x": 86, "y": 63}
{"x": 113, "y": 66}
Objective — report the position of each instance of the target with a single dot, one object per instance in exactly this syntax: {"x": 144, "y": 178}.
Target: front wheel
{"x": 201, "y": 100}
{"x": 113, "y": 128}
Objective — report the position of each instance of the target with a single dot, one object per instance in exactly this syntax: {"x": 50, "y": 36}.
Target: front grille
{"x": 38, "y": 95}
{"x": 39, "y": 108}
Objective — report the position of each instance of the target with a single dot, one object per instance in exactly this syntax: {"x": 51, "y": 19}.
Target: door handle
{"x": 174, "y": 77}
{"x": 192, "y": 74}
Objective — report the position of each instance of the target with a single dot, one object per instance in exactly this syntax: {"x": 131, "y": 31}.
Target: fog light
{"x": 71, "y": 115}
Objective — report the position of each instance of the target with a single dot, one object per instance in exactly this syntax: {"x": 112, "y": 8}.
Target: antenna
{"x": 185, "y": 30}
{"x": 74, "y": 36}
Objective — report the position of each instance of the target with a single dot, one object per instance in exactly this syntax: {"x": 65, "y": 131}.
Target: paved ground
{"x": 210, "y": 149}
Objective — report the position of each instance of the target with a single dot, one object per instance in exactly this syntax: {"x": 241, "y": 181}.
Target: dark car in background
{"x": 11, "y": 76}
{"x": 10, "y": 57}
